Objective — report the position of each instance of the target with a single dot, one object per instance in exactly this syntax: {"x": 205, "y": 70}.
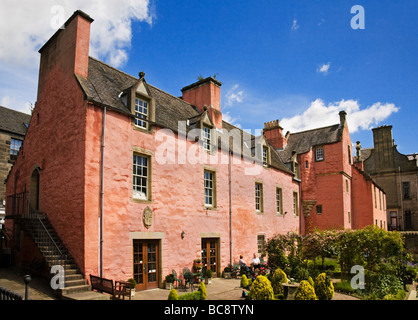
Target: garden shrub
{"x": 200, "y": 294}
{"x": 190, "y": 296}
{"x": 173, "y": 295}
{"x": 203, "y": 292}
{"x": 311, "y": 282}
{"x": 305, "y": 291}
{"x": 277, "y": 279}
{"x": 324, "y": 288}
{"x": 261, "y": 289}
{"x": 244, "y": 281}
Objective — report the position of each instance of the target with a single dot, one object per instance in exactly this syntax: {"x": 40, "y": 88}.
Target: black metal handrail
{"x": 19, "y": 205}
{"x": 9, "y": 295}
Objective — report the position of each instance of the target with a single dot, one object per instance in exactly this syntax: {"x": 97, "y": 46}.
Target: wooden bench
{"x": 118, "y": 289}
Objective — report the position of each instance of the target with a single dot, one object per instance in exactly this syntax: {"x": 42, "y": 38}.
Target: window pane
{"x": 141, "y": 113}
{"x": 140, "y": 177}
{"x": 208, "y": 188}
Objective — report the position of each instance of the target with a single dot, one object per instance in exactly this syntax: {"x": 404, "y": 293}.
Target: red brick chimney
{"x": 274, "y": 134}
{"x": 206, "y": 93}
{"x": 67, "y": 49}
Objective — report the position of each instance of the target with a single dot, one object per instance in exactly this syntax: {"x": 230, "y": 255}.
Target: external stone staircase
{"x": 55, "y": 253}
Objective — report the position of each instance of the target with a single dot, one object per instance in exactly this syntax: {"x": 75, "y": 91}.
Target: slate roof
{"x": 302, "y": 142}
{"x": 13, "y": 121}
{"x": 105, "y": 84}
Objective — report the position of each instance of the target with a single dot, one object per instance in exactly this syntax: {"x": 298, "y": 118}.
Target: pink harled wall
{"x": 177, "y": 200}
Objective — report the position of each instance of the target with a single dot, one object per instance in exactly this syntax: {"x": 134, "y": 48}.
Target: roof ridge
{"x": 315, "y": 129}
{"x": 131, "y": 76}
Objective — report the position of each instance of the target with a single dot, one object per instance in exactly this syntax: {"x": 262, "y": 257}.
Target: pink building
{"x": 334, "y": 193}
{"x": 132, "y": 182}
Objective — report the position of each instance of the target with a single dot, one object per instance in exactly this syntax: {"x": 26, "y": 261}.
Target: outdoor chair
{"x": 188, "y": 278}
{"x": 179, "y": 281}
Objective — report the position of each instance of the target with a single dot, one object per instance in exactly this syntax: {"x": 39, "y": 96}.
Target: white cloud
{"x": 25, "y": 26}
{"x": 324, "y": 68}
{"x": 320, "y": 115}
{"x": 233, "y": 96}
{"x": 228, "y": 118}
{"x": 295, "y": 25}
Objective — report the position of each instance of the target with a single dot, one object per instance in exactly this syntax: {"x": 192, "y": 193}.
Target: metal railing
{"x": 9, "y": 295}
{"x": 18, "y": 205}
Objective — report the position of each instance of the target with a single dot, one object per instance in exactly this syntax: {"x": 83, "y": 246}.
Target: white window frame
{"x": 209, "y": 188}
{"x": 319, "y": 154}
{"x": 140, "y": 191}
{"x": 141, "y": 113}
{"x": 206, "y": 138}
{"x": 258, "y": 197}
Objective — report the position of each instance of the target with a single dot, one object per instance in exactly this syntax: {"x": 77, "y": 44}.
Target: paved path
{"x": 39, "y": 288}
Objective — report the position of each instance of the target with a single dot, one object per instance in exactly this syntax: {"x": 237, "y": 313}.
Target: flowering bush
{"x": 197, "y": 265}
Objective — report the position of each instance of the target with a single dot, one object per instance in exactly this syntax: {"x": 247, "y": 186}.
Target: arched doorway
{"x": 34, "y": 195}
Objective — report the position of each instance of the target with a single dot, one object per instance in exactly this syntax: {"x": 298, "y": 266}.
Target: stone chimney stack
{"x": 206, "y": 93}
{"x": 274, "y": 134}
{"x": 67, "y": 51}
{"x": 343, "y": 115}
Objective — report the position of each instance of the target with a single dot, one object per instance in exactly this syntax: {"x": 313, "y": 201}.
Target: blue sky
{"x": 298, "y": 61}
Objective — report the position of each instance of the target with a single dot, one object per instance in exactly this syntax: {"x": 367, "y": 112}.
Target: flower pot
{"x": 228, "y": 275}
{"x": 169, "y": 285}
{"x": 208, "y": 280}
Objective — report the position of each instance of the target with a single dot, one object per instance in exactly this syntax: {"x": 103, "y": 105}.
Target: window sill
{"x": 259, "y": 212}
{"x": 147, "y": 201}
{"x": 136, "y": 128}
{"x": 210, "y": 208}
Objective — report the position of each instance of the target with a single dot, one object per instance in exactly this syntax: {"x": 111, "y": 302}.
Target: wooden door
{"x": 210, "y": 254}
{"x": 145, "y": 264}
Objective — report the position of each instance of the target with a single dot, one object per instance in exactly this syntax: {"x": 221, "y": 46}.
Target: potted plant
{"x": 208, "y": 276}
{"x": 197, "y": 265}
{"x": 131, "y": 287}
{"x": 169, "y": 281}
{"x": 228, "y": 272}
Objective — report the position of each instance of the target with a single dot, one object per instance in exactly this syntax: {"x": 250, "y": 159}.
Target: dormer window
{"x": 141, "y": 113}
{"x": 265, "y": 156}
{"x": 206, "y": 138}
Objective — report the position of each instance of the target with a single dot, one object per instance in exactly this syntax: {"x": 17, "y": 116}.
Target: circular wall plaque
{"x": 147, "y": 217}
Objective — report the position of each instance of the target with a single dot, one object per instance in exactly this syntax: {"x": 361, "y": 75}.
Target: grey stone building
{"x": 397, "y": 174}
{"x": 13, "y": 127}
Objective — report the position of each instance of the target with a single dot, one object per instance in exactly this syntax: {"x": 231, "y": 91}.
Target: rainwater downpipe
{"x": 102, "y": 195}
{"x": 230, "y": 209}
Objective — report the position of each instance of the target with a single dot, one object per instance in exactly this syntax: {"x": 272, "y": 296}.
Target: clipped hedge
{"x": 261, "y": 289}
{"x": 277, "y": 279}
{"x": 324, "y": 288}
{"x": 200, "y": 294}
{"x": 305, "y": 291}
{"x": 244, "y": 281}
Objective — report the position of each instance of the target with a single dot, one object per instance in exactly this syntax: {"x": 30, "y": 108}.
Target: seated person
{"x": 243, "y": 266}
{"x": 255, "y": 262}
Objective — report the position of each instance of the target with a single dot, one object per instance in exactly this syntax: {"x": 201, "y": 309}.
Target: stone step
{"x": 75, "y": 289}
{"x": 74, "y": 283}
{"x": 88, "y": 295}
